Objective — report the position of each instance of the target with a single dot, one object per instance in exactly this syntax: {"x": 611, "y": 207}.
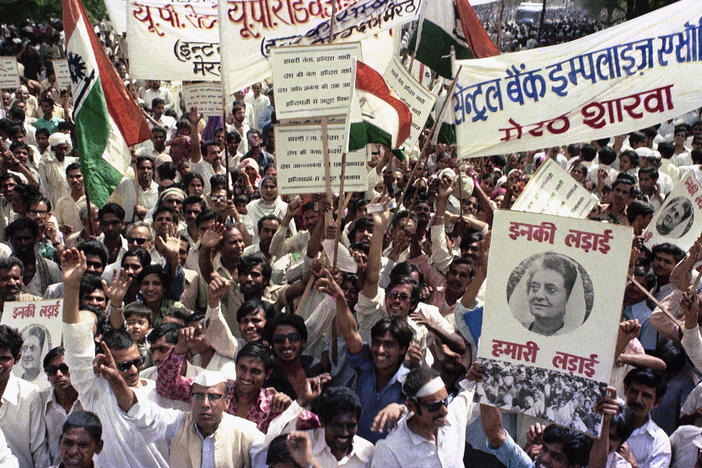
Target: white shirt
{"x": 206, "y": 170}
{"x": 614, "y": 460}
{"x": 125, "y": 196}
{"x": 163, "y": 93}
{"x": 123, "y": 445}
{"x": 20, "y": 415}
{"x": 692, "y": 402}
{"x": 53, "y": 417}
{"x": 650, "y": 446}
{"x": 684, "y": 449}
{"x": 404, "y": 448}
{"x": 360, "y": 456}
{"x": 7, "y": 459}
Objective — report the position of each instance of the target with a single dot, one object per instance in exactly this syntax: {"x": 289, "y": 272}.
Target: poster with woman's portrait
{"x": 679, "y": 220}
{"x": 39, "y": 323}
{"x": 549, "y": 324}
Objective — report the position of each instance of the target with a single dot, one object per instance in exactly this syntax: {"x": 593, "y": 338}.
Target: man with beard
{"x": 38, "y": 272}
{"x": 239, "y": 125}
{"x": 111, "y": 219}
{"x": 255, "y": 152}
{"x": 644, "y": 390}
{"x": 57, "y": 401}
{"x": 53, "y": 165}
{"x": 125, "y": 193}
{"x": 11, "y": 273}
{"x": 267, "y": 227}
{"x": 67, "y": 210}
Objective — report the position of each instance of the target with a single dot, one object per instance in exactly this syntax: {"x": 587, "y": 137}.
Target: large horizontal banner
{"x": 679, "y": 220}
{"x": 621, "y": 79}
{"x": 173, "y": 40}
{"x": 551, "y": 190}
{"x": 249, "y": 29}
{"x": 548, "y": 333}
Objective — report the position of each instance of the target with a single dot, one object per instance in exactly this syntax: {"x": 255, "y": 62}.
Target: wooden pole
{"x": 653, "y": 299}
{"x": 226, "y": 145}
{"x": 499, "y": 25}
{"x": 332, "y": 22}
{"x": 90, "y": 215}
{"x": 339, "y": 210}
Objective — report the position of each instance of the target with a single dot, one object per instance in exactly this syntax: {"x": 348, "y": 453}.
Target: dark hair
{"x": 400, "y": 216}
{"x": 576, "y": 446}
{"x": 137, "y": 309}
{"x": 10, "y": 175}
{"x": 142, "y": 254}
{"x": 179, "y": 313}
{"x": 696, "y": 156}
{"x": 265, "y": 218}
{"x": 233, "y": 137}
{"x": 279, "y": 452}
{"x": 111, "y": 208}
{"x": 416, "y": 378}
{"x": 638, "y": 208}
{"x": 93, "y": 247}
{"x": 53, "y": 354}
{"x": 11, "y": 339}
{"x": 607, "y": 155}
{"x": 207, "y": 215}
{"x": 42, "y": 131}
{"x": 292, "y": 320}
{"x": 361, "y": 224}
{"x": 117, "y": 339}
{"x": 672, "y": 353}
{"x": 632, "y": 155}
{"x": 413, "y": 283}
{"x": 10, "y": 262}
{"x": 399, "y": 329}
{"x": 560, "y": 265}
{"x": 588, "y": 152}
{"x": 89, "y": 283}
{"x": 470, "y": 239}
{"x": 194, "y": 200}
{"x": 85, "y": 420}
{"x": 636, "y": 137}
{"x": 20, "y": 224}
{"x": 623, "y": 423}
{"x": 666, "y": 149}
{"x": 189, "y": 177}
{"x": 157, "y": 100}
{"x": 166, "y": 171}
{"x": 647, "y": 378}
{"x": 142, "y": 158}
{"x": 623, "y": 181}
{"x": 335, "y": 401}
{"x": 169, "y": 329}
{"x": 153, "y": 270}
{"x": 164, "y": 209}
{"x": 248, "y": 262}
{"x": 260, "y": 351}
{"x": 669, "y": 249}
{"x": 652, "y": 171}
{"x": 252, "y": 306}
{"x": 360, "y": 246}
{"x": 405, "y": 270}
{"x": 72, "y": 167}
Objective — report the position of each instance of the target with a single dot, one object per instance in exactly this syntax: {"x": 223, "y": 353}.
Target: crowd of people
{"x": 205, "y": 323}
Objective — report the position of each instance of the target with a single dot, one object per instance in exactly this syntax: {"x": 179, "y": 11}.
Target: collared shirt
{"x": 684, "y": 448}
{"x": 360, "y": 456}
{"x": 172, "y": 385}
{"x": 648, "y": 334}
{"x": 20, "y": 415}
{"x": 374, "y": 401}
{"x": 122, "y": 249}
{"x": 53, "y": 417}
{"x": 510, "y": 454}
{"x": 403, "y": 448}
{"x": 125, "y": 196}
{"x": 650, "y": 446}
{"x": 123, "y": 445}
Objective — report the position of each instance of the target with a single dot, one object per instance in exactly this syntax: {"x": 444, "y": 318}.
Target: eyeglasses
{"x": 291, "y": 337}
{"x": 200, "y": 396}
{"x": 38, "y": 212}
{"x": 52, "y": 370}
{"x": 434, "y": 406}
{"x": 134, "y": 240}
{"x": 125, "y": 366}
{"x": 404, "y": 297}
{"x": 219, "y": 198}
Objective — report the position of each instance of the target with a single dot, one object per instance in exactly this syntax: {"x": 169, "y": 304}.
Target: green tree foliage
{"x": 18, "y": 11}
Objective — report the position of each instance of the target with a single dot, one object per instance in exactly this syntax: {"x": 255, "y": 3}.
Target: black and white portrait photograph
{"x": 676, "y": 218}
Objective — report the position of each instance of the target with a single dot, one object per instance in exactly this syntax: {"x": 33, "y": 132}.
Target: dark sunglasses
{"x": 434, "y": 406}
{"x": 291, "y": 337}
{"x": 125, "y": 366}
{"x": 133, "y": 240}
{"x": 52, "y": 370}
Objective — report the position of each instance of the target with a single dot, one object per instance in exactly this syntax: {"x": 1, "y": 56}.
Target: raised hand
{"x": 105, "y": 366}
{"x": 217, "y": 289}
{"x": 186, "y": 337}
{"x": 387, "y": 418}
{"x": 414, "y": 355}
{"x": 279, "y": 402}
{"x": 170, "y": 244}
{"x": 328, "y": 285}
{"x": 476, "y": 373}
{"x": 313, "y": 388}
{"x": 117, "y": 289}
{"x": 213, "y": 236}
{"x": 73, "y": 267}
{"x": 690, "y": 306}
{"x": 301, "y": 449}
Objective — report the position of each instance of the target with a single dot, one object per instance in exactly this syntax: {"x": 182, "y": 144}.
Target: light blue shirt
{"x": 510, "y": 454}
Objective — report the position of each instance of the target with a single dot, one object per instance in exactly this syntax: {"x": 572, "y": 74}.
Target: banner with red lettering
{"x": 633, "y": 75}
{"x": 548, "y": 332}
{"x": 679, "y": 220}
{"x": 173, "y": 40}
{"x": 249, "y": 29}
{"x": 40, "y": 325}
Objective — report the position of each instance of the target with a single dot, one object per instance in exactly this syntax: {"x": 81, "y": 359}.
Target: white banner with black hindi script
{"x": 9, "y": 74}
{"x": 679, "y": 220}
{"x": 40, "y": 324}
{"x": 249, "y": 29}
{"x": 551, "y": 190}
{"x": 624, "y": 78}
{"x": 548, "y": 332}
{"x": 172, "y": 40}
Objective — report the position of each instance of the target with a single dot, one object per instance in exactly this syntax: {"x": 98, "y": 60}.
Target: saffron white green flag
{"x": 107, "y": 119}
{"x": 445, "y": 24}
{"x": 376, "y": 115}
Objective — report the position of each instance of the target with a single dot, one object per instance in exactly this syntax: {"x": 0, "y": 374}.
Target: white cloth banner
{"x": 551, "y": 190}
{"x": 170, "y": 40}
{"x": 117, "y": 11}
{"x": 548, "y": 332}
{"x": 250, "y": 29}
{"x": 679, "y": 220}
{"x": 621, "y": 79}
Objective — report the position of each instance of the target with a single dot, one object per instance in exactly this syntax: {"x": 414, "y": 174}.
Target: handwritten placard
{"x": 207, "y": 97}
{"x": 63, "y": 76}
{"x": 300, "y": 160}
{"x": 9, "y": 73}
{"x": 313, "y": 81}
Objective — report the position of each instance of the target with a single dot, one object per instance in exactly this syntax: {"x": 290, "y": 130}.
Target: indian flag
{"x": 376, "y": 115}
{"x": 447, "y": 23}
{"x": 107, "y": 119}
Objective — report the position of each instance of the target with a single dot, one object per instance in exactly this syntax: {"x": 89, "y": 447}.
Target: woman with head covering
{"x": 269, "y": 204}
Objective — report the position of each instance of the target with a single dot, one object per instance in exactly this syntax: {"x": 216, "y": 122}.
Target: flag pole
{"x": 87, "y": 202}
{"x": 226, "y": 145}
{"x": 499, "y": 25}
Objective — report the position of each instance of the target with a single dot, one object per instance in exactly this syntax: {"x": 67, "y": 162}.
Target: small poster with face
{"x": 39, "y": 322}
{"x": 679, "y": 220}
{"x": 548, "y": 334}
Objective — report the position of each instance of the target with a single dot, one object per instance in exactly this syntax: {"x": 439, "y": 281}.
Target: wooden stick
{"x": 332, "y": 22}
{"x": 339, "y": 210}
{"x": 653, "y": 299}
{"x": 226, "y": 146}
{"x": 697, "y": 281}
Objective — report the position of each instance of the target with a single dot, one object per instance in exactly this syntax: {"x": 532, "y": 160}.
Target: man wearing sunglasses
{"x": 57, "y": 401}
{"x": 111, "y": 219}
{"x": 123, "y": 445}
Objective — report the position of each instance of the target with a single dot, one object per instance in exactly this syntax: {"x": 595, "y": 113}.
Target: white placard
{"x": 551, "y": 190}
{"x": 63, "y": 75}
{"x": 172, "y": 40}
{"x": 313, "y": 81}
{"x": 419, "y": 100}
{"x": 207, "y": 97}
{"x": 548, "y": 333}
{"x": 299, "y": 160}
{"x": 40, "y": 323}
{"x": 679, "y": 220}
{"x": 9, "y": 73}
{"x": 630, "y": 76}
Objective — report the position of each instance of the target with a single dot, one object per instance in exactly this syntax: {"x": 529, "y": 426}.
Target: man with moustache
{"x": 11, "y": 284}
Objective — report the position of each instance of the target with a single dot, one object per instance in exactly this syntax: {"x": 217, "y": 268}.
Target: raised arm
{"x": 107, "y": 369}
{"x": 74, "y": 266}
{"x": 370, "y": 285}
{"x": 209, "y": 242}
{"x": 194, "y": 116}
{"x": 217, "y": 331}
{"x": 345, "y": 319}
{"x": 115, "y": 292}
